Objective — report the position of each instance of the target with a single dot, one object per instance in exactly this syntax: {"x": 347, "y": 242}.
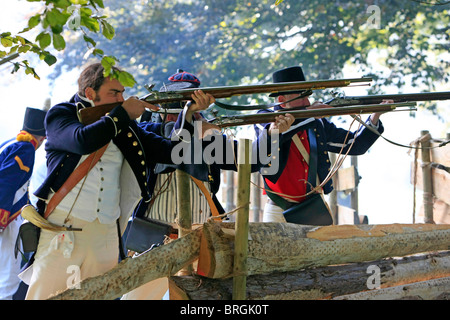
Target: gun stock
{"x": 397, "y": 98}
{"x": 90, "y": 115}
{"x": 240, "y": 120}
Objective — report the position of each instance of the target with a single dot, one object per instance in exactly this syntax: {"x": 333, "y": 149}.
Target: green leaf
{"x": 126, "y": 79}
{"x": 44, "y": 40}
{"x": 56, "y": 18}
{"x": 34, "y": 21}
{"x": 90, "y": 23}
{"x": 24, "y": 48}
{"x": 99, "y": 3}
{"x": 6, "y": 42}
{"x": 58, "y": 42}
{"x": 98, "y": 52}
{"x": 107, "y": 63}
{"x": 107, "y": 30}
{"x": 50, "y": 59}
{"x": 89, "y": 40}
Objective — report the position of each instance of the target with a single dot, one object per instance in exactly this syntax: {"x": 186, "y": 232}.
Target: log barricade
{"x": 274, "y": 251}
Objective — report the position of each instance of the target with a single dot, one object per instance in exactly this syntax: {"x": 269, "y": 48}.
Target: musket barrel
{"x": 229, "y": 91}
{"x": 231, "y": 121}
{"x": 90, "y": 115}
{"x": 401, "y": 97}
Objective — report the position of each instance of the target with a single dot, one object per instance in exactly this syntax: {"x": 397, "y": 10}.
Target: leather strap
{"x": 313, "y": 154}
{"x": 211, "y": 203}
{"x": 76, "y": 176}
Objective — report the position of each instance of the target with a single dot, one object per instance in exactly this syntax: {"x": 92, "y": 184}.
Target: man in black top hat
{"x": 17, "y": 157}
{"x": 304, "y": 145}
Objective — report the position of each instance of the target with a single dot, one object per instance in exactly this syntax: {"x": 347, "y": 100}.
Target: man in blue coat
{"x": 304, "y": 144}
{"x": 17, "y": 158}
{"x": 107, "y": 193}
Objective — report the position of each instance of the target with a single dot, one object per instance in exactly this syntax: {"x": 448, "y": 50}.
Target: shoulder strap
{"x": 76, "y": 176}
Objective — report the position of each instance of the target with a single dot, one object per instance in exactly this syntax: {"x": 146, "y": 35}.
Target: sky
{"x": 385, "y": 191}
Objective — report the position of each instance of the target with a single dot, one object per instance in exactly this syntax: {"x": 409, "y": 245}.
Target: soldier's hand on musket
{"x": 201, "y": 101}
{"x": 136, "y": 107}
{"x": 282, "y": 123}
{"x": 374, "y": 117}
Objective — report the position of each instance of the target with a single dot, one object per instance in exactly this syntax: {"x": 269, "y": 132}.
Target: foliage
{"x": 236, "y": 42}
{"x": 56, "y": 16}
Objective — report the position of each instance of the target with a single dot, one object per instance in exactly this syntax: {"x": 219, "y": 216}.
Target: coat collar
{"x": 81, "y": 102}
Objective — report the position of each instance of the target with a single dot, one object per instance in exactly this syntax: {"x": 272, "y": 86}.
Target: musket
{"x": 90, "y": 115}
{"x": 238, "y": 120}
{"x": 373, "y": 99}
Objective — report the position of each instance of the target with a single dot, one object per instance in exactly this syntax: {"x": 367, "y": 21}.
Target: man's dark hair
{"x": 92, "y": 77}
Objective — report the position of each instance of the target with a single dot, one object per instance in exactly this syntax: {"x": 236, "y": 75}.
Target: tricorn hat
{"x": 290, "y": 74}
{"x": 33, "y": 121}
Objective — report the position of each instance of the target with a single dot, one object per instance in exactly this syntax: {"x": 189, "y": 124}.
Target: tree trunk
{"x": 319, "y": 283}
{"x": 436, "y": 289}
{"x": 287, "y": 247}
{"x": 131, "y": 273}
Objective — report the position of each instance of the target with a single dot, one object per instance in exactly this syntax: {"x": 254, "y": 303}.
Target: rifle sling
{"x": 211, "y": 203}
{"x": 260, "y": 106}
{"x": 76, "y": 176}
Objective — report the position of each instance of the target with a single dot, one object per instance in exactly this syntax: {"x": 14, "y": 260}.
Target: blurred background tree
{"x": 397, "y": 43}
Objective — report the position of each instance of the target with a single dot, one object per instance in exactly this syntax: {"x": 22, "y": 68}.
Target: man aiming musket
{"x": 295, "y": 191}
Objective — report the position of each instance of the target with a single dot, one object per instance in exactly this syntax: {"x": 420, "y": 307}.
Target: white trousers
{"x": 9, "y": 265}
{"x": 64, "y": 259}
{"x": 273, "y": 213}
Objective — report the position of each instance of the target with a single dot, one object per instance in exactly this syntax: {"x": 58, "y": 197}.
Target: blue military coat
{"x": 68, "y": 139}
{"x": 16, "y": 165}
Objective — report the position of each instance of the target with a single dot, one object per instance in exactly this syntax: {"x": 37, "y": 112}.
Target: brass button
{"x": 135, "y": 143}
{"x": 143, "y": 163}
{"x": 115, "y": 119}
{"x": 140, "y": 152}
{"x": 129, "y": 135}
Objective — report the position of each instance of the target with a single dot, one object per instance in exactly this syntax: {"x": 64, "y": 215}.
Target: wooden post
{"x": 229, "y": 205}
{"x": 184, "y": 205}
{"x": 427, "y": 183}
{"x": 241, "y": 240}
{"x": 256, "y": 197}
{"x": 354, "y": 194}
{"x": 333, "y": 194}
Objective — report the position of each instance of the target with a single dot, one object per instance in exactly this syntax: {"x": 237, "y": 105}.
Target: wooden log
{"x": 436, "y": 289}
{"x": 319, "y": 283}
{"x": 286, "y": 247}
{"x": 131, "y": 273}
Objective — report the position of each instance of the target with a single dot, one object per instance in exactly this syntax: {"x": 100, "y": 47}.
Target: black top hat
{"x": 33, "y": 121}
{"x": 290, "y": 74}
